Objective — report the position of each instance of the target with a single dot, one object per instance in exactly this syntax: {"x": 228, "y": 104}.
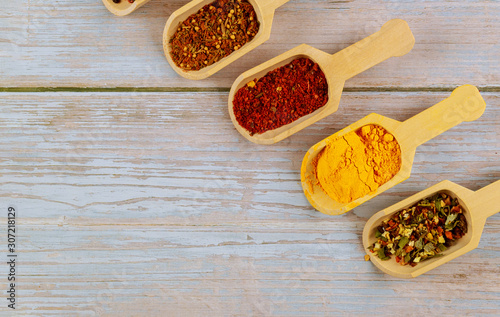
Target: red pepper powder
{"x": 281, "y": 96}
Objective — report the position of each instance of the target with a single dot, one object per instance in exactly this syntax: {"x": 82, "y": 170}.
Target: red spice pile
{"x": 281, "y": 96}
{"x": 212, "y": 33}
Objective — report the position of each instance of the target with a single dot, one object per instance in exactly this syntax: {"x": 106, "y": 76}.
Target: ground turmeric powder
{"x": 357, "y": 163}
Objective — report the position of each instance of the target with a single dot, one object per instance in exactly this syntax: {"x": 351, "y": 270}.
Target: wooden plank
{"x": 160, "y": 271}
{"x": 185, "y": 151}
{"x": 152, "y": 203}
{"x": 50, "y": 44}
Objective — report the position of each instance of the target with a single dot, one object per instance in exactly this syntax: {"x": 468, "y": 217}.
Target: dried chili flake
{"x": 421, "y": 231}
{"x": 212, "y": 33}
{"x": 281, "y": 96}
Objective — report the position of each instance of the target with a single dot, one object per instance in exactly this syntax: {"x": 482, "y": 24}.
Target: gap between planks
{"x": 223, "y": 89}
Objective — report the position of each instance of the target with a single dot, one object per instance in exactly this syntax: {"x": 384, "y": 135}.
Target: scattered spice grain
{"x": 281, "y": 96}
{"x": 214, "y": 32}
{"x": 421, "y": 231}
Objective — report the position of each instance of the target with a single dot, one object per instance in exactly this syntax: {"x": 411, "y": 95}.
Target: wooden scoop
{"x": 124, "y": 7}
{"x": 265, "y": 13}
{"x": 464, "y": 104}
{"x": 477, "y": 206}
{"x": 393, "y": 39}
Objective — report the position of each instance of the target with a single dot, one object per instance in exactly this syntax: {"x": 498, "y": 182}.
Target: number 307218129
{"x": 11, "y": 229}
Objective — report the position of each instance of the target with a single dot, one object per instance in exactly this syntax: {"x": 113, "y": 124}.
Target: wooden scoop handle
{"x": 464, "y": 104}
{"x": 271, "y": 5}
{"x": 124, "y": 9}
{"x": 486, "y": 201}
{"x": 393, "y": 39}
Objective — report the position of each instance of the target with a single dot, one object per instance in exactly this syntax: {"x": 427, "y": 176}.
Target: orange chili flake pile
{"x": 212, "y": 33}
{"x": 281, "y": 96}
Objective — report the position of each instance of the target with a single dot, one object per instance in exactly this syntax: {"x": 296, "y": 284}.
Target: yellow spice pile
{"x": 358, "y": 163}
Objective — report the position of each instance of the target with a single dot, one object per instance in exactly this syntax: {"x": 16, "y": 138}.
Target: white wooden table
{"x": 135, "y": 195}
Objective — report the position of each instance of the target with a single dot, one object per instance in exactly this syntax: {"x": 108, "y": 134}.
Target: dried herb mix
{"x": 422, "y": 231}
{"x": 212, "y": 33}
{"x": 281, "y": 96}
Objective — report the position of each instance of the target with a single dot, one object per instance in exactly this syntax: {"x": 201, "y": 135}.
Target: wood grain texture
{"x": 67, "y": 43}
{"x": 152, "y": 203}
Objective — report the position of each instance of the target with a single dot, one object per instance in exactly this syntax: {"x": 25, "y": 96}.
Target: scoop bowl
{"x": 265, "y": 13}
{"x": 477, "y": 207}
{"x": 276, "y": 135}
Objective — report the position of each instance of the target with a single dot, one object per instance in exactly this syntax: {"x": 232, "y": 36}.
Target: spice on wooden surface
{"x": 212, "y": 33}
{"x": 357, "y": 163}
{"x": 281, "y": 96}
{"x": 421, "y": 231}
